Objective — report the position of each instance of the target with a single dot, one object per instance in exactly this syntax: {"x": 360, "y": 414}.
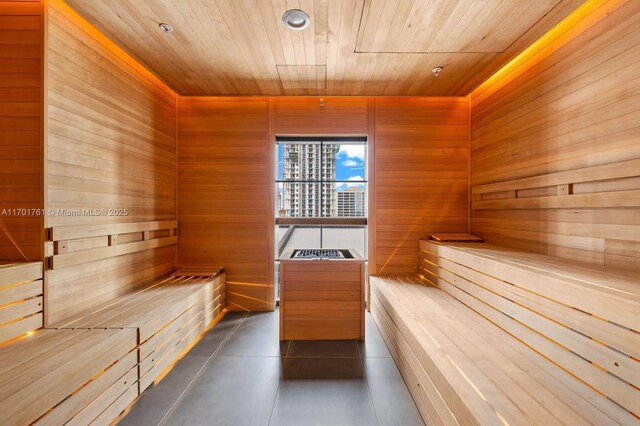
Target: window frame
{"x": 321, "y": 140}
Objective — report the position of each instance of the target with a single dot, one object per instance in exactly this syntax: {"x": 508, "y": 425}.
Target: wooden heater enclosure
{"x": 322, "y": 299}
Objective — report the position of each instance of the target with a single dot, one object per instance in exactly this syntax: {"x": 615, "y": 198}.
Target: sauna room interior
{"x": 319, "y": 212}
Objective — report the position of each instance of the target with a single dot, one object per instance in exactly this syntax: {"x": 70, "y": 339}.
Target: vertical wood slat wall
{"x": 110, "y": 145}
{"x": 567, "y": 117}
{"x": 21, "y": 37}
{"x": 418, "y": 178}
{"x": 422, "y": 171}
{"x": 223, "y": 193}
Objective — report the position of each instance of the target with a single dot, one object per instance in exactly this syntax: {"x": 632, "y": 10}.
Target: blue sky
{"x": 350, "y": 164}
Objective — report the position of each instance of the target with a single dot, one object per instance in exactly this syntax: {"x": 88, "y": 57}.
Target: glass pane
{"x": 296, "y": 237}
{"x": 350, "y": 160}
{"x": 279, "y": 156}
{"x": 349, "y": 237}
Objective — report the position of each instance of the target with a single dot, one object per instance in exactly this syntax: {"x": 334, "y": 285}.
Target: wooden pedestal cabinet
{"x": 322, "y": 299}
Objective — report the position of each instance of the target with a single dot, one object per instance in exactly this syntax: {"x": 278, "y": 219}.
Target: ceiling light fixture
{"x": 166, "y": 28}
{"x": 436, "y": 71}
{"x": 296, "y": 19}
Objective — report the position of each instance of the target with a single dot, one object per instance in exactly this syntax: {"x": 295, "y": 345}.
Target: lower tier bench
{"x": 55, "y": 377}
{"x": 463, "y": 369}
{"x": 21, "y": 299}
{"x": 167, "y": 316}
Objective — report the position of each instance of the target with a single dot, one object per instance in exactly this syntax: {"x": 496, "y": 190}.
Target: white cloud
{"x": 357, "y": 182}
{"x": 354, "y": 182}
{"x": 351, "y": 163}
{"x": 352, "y": 151}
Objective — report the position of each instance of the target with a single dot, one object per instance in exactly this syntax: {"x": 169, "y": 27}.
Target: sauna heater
{"x": 321, "y": 295}
{"x": 321, "y": 254}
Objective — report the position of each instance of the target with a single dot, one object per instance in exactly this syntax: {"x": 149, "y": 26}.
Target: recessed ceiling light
{"x": 296, "y": 19}
{"x": 166, "y": 28}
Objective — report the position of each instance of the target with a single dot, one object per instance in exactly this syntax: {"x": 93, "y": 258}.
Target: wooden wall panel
{"x": 422, "y": 170}
{"x": 226, "y": 174}
{"x": 110, "y": 147}
{"x": 556, "y": 142}
{"x": 224, "y": 212}
{"x": 21, "y": 30}
{"x": 303, "y": 115}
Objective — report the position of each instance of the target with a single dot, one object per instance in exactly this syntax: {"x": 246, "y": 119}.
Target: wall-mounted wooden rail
{"x": 21, "y": 299}
{"x": 75, "y": 245}
{"x": 587, "y": 187}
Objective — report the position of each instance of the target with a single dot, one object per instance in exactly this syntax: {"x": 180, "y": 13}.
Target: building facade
{"x": 309, "y": 172}
{"x": 351, "y": 202}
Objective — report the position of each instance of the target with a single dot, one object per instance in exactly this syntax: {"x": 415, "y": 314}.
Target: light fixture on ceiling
{"x": 166, "y": 28}
{"x": 296, "y": 19}
{"x": 436, "y": 71}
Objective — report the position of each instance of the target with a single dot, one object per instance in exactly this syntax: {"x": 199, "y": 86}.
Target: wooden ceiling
{"x": 352, "y": 47}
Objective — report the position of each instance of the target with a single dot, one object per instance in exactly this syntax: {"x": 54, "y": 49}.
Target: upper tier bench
{"x": 490, "y": 335}
{"x": 88, "y": 368}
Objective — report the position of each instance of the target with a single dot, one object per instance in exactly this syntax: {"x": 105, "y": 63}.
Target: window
{"x": 321, "y": 178}
{"x": 321, "y": 194}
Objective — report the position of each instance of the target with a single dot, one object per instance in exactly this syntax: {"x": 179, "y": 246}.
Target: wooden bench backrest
{"x": 511, "y": 213}
{"x": 74, "y": 245}
{"x": 21, "y": 301}
{"x": 91, "y": 264}
{"x": 587, "y": 326}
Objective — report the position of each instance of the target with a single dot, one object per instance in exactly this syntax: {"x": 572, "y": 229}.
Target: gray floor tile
{"x": 324, "y": 348}
{"x": 321, "y": 383}
{"x": 256, "y": 335}
{"x": 323, "y": 402}
{"x": 156, "y": 401}
{"x": 212, "y": 340}
{"x": 373, "y": 346}
{"x": 323, "y": 369}
{"x": 391, "y": 398}
{"x": 230, "y": 391}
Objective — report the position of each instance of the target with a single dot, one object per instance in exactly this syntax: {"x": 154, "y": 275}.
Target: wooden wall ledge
{"x": 75, "y": 245}
{"x": 586, "y": 187}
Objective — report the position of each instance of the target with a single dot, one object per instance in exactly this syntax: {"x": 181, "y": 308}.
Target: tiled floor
{"x": 240, "y": 374}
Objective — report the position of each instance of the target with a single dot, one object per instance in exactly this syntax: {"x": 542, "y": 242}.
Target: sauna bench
{"x": 21, "y": 299}
{"x": 486, "y": 334}
{"x": 166, "y": 315}
{"x": 57, "y": 376}
{"x": 91, "y": 367}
